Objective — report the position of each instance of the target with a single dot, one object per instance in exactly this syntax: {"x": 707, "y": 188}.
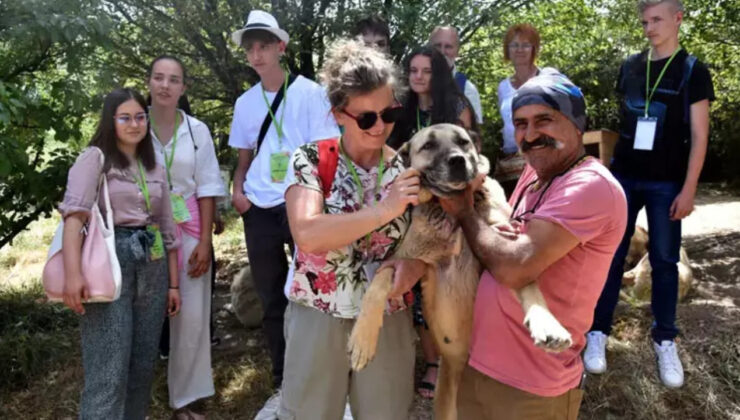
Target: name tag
{"x": 645, "y": 133}
{"x": 279, "y": 166}
{"x": 180, "y": 212}
{"x": 157, "y": 250}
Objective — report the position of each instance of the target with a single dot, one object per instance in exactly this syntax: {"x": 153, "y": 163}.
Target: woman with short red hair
{"x": 521, "y": 46}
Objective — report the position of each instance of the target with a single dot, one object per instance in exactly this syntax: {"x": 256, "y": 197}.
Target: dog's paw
{"x": 546, "y": 330}
{"x": 362, "y": 345}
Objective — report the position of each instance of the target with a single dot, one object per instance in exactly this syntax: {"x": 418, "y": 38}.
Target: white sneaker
{"x": 669, "y": 365}
{"x": 270, "y": 409}
{"x": 594, "y": 358}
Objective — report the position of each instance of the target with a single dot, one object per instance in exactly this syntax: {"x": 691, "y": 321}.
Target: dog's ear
{"x": 476, "y": 139}
{"x": 404, "y": 153}
{"x": 484, "y": 165}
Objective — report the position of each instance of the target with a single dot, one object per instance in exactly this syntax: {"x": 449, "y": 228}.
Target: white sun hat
{"x": 262, "y": 21}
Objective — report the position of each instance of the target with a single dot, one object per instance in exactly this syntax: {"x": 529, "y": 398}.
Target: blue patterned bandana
{"x": 554, "y": 91}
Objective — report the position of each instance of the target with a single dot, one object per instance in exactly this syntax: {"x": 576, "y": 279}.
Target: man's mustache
{"x": 546, "y": 141}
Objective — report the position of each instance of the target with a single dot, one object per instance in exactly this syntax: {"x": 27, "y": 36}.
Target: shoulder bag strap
{"x": 328, "y": 160}
{"x": 268, "y": 118}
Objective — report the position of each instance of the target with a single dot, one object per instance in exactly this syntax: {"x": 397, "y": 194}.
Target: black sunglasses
{"x": 368, "y": 119}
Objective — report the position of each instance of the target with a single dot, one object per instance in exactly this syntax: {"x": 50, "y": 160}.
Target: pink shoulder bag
{"x": 99, "y": 262}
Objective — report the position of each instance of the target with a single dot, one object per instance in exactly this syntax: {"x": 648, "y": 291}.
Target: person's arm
{"x": 200, "y": 259}
{"x": 173, "y": 290}
{"x": 515, "y": 262}
{"x": 238, "y": 199}
{"x": 315, "y": 232}
{"x": 471, "y": 92}
{"x": 683, "y": 204}
{"x": 75, "y": 290}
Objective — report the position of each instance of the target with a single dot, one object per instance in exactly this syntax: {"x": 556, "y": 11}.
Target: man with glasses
{"x": 271, "y": 120}
{"x": 445, "y": 39}
{"x": 658, "y": 158}
{"x": 569, "y": 214}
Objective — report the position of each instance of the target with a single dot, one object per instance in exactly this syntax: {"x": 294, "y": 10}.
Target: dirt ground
{"x": 709, "y": 347}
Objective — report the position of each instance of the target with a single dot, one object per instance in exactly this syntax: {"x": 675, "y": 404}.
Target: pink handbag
{"x": 99, "y": 262}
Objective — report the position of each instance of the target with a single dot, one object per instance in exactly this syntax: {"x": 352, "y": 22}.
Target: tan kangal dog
{"x": 448, "y": 162}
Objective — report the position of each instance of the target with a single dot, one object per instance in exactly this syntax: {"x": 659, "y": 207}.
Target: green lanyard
{"x": 141, "y": 182}
{"x": 358, "y": 183}
{"x": 278, "y": 126}
{"x": 418, "y": 120}
{"x": 648, "y": 93}
{"x": 168, "y": 159}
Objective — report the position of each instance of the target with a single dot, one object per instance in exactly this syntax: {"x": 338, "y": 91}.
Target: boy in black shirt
{"x": 660, "y": 153}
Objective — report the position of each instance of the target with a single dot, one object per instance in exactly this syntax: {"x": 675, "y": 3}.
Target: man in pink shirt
{"x": 569, "y": 215}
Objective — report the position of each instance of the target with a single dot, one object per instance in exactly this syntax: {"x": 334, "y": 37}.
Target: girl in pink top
{"x": 119, "y": 339}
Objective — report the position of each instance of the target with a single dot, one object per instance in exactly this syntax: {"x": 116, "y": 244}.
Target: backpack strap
{"x": 274, "y": 107}
{"x": 688, "y": 68}
{"x": 461, "y": 79}
{"x": 328, "y": 160}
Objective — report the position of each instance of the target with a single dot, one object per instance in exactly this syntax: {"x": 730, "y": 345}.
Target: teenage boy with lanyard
{"x": 271, "y": 119}
{"x": 662, "y": 143}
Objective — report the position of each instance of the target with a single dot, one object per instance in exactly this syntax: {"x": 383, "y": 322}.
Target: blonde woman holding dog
{"x": 344, "y": 226}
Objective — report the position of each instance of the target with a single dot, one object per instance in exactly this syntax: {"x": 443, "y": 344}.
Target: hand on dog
{"x": 509, "y": 230}
{"x": 404, "y": 191}
{"x": 406, "y": 273}
{"x": 460, "y": 203}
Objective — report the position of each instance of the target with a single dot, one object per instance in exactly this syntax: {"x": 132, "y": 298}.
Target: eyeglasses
{"x": 518, "y": 46}
{"x": 126, "y": 119}
{"x": 367, "y": 120}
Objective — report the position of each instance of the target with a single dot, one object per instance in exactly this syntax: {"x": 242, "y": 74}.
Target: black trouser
{"x": 267, "y": 232}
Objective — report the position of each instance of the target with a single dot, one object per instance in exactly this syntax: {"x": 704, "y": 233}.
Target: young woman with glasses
{"x": 119, "y": 339}
{"x": 343, "y": 232}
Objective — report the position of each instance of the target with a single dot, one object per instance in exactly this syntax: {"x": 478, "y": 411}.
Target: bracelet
{"x": 175, "y": 287}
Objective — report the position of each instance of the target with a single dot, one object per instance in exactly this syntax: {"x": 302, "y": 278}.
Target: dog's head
{"x": 446, "y": 157}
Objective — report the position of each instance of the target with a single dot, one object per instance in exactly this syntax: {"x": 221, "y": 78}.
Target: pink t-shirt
{"x": 589, "y": 203}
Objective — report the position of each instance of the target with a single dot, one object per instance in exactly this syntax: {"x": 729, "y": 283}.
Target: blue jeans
{"x": 664, "y": 247}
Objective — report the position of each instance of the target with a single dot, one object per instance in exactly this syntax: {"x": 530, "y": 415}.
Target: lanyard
{"x": 649, "y": 93}
{"x": 358, "y": 183}
{"x": 278, "y": 126}
{"x": 544, "y": 190}
{"x": 141, "y": 182}
{"x": 168, "y": 159}
{"x": 418, "y": 120}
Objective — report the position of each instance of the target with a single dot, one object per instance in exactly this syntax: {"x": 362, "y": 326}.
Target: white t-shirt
{"x": 307, "y": 118}
{"x": 193, "y": 171}
{"x": 471, "y": 92}
{"x": 506, "y": 93}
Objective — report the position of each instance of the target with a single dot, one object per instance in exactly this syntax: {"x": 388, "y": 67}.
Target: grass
{"x": 42, "y": 375}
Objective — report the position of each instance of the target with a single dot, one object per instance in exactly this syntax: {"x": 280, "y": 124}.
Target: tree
{"x": 45, "y": 71}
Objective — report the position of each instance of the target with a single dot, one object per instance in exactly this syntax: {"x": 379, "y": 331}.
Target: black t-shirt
{"x": 668, "y": 161}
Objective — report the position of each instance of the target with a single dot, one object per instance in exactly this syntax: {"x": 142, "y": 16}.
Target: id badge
{"x": 279, "y": 166}
{"x": 645, "y": 133}
{"x": 180, "y": 212}
{"x": 370, "y": 268}
{"x": 157, "y": 249}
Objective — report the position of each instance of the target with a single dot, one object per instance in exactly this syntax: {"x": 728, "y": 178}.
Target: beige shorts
{"x": 482, "y": 397}
{"x": 317, "y": 377}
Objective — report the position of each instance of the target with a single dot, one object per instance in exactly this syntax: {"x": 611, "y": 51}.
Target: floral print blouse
{"x": 334, "y": 282}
